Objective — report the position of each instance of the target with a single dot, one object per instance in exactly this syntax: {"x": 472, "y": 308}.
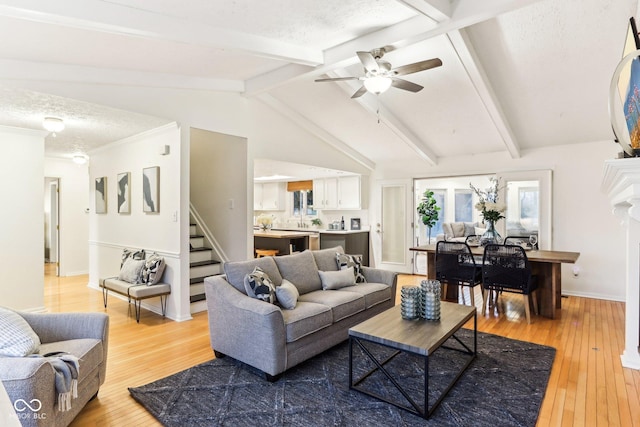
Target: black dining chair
{"x": 455, "y": 265}
{"x": 505, "y": 268}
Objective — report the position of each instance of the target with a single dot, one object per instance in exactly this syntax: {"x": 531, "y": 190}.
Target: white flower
{"x": 495, "y": 206}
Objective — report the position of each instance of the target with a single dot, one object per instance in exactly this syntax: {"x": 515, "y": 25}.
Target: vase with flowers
{"x": 491, "y": 211}
{"x": 265, "y": 222}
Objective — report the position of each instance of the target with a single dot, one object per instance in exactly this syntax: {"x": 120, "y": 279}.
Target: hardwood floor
{"x": 588, "y": 386}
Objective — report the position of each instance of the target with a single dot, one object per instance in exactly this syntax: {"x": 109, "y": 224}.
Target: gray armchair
{"x": 84, "y": 335}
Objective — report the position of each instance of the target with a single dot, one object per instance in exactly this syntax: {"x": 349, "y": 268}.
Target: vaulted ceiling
{"x": 516, "y": 74}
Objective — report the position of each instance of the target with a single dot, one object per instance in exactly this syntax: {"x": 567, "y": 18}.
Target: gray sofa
{"x": 273, "y": 339}
{"x": 84, "y": 335}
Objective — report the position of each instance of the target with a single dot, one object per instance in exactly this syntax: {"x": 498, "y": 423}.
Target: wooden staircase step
{"x": 201, "y": 263}
{"x": 192, "y": 249}
{"x": 196, "y": 298}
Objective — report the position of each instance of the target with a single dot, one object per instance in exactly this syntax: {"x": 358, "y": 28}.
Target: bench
{"x": 136, "y": 292}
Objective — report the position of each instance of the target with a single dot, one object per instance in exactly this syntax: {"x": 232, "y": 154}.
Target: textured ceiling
{"x": 87, "y": 126}
{"x": 516, "y": 74}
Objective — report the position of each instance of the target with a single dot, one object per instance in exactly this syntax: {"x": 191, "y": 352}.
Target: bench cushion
{"x": 135, "y": 291}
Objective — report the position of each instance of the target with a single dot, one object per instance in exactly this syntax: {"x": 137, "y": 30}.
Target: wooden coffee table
{"x": 420, "y": 337}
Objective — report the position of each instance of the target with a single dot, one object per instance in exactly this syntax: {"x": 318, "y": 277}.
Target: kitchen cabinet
{"x": 353, "y": 242}
{"x": 269, "y": 196}
{"x": 337, "y": 193}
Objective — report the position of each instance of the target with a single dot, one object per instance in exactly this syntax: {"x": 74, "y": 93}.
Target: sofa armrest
{"x": 245, "y": 328}
{"x": 376, "y": 275}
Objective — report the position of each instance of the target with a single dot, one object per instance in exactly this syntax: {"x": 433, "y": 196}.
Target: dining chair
{"x": 505, "y": 268}
{"x": 455, "y": 265}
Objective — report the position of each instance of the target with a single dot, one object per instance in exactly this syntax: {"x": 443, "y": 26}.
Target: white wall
{"x": 219, "y": 189}
{"x": 154, "y": 232}
{"x": 582, "y": 218}
{"x": 74, "y": 219}
{"x": 22, "y": 219}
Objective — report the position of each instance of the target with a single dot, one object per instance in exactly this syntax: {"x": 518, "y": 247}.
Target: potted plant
{"x": 317, "y": 222}
{"x": 428, "y": 211}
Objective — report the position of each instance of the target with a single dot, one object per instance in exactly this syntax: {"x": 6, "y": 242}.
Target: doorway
{"x": 52, "y": 224}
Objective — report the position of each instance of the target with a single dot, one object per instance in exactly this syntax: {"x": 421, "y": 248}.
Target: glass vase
{"x": 491, "y": 236}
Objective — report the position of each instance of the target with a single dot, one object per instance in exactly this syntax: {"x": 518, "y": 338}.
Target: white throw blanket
{"x": 66, "y": 368}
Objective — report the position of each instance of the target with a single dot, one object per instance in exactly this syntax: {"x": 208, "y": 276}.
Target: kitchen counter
{"x": 342, "y": 231}
{"x": 281, "y": 234}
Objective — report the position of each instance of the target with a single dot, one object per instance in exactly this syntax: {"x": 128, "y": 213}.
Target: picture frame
{"x": 355, "y": 223}
{"x": 101, "y": 195}
{"x": 124, "y": 193}
{"x": 151, "y": 189}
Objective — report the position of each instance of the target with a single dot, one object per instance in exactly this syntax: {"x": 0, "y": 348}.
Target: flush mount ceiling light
{"x": 79, "y": 158}
{"x": 53, "y": 124}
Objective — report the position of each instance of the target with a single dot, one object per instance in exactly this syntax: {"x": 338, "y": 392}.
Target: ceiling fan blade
{"x": 417, "y": 66}
{"x": 359, "y": 92}
{"x": 369, "y": 62}
{"x": 406, "y": 85}
{"x": 337, "y": 79}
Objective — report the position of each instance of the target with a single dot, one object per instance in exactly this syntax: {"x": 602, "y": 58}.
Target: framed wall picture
{"x": 355, "y": 223}
{"x": 151, "y": 189}
{"x": 124, "y": 193}
{"x": 101, "y": 195}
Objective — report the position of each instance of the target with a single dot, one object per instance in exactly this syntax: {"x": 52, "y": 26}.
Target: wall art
{"x": 124, "y": 193}
{"x": 151, "y": 189}
{"x": 101, "y": 195}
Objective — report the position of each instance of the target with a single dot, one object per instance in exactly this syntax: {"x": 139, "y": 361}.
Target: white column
{"x": 622, "y": 184}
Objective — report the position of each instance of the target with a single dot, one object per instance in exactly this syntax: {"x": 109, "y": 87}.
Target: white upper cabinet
{"x": 269, "y": 196}
{"x": 349, "y": 192}
{"x": 337, "y": 193}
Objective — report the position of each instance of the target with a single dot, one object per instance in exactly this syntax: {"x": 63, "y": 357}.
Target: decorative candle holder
{"x": 410, "y": 302}
{"x": 430, "y": 292}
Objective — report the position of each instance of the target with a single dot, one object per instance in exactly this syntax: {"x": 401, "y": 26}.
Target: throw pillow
{"x": 17, "y": 339}
{"x": 287, "y": 294}
{"x": 131, "y": 271}
{"x": 128, "y": 253}
{"x": 258, "y": 285}
{"x": 469, "y": 229}
{"x": 337, "y": 279}
{"x": 480, "y": 231}
{"x": 458, "y": 229}
{"x": 345, "y": 261}
{"x": 153, "y": 269}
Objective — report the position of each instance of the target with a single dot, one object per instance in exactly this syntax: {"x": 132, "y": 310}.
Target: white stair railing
{"x": 208, "y": 235}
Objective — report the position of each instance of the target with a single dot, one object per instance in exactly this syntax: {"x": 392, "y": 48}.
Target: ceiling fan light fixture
{"x": 53, "y": 124}
{"x": 377, "y": 84}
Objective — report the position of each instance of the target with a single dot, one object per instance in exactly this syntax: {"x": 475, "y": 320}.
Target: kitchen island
{"x": 354, "y": 242}
{"x": 285, "y": 242}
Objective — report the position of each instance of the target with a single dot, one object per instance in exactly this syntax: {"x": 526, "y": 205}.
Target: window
{"x": 464, "y": 205}
{"x": 302, "y": 202}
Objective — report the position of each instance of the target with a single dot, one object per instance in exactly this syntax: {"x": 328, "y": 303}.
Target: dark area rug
{"x": 503, "y": 386}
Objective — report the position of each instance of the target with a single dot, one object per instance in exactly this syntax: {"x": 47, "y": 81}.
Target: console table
{"x": 545, "y": 264}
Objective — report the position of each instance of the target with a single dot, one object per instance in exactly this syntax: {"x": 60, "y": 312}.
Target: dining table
{"x": 546, "y": 264}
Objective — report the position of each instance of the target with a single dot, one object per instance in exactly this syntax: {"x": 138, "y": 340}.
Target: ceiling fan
{"x": 379, "y": 75}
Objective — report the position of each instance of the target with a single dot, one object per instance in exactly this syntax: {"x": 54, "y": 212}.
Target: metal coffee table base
{"x": 422, "y": 411}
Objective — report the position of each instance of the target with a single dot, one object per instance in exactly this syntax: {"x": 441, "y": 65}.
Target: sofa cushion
{"x": 480, "y": 231}
{"x": 257, "y": 284}
{"x": 373, "y": 293}
{"x": 447, "y": 230}
{"x": 337, "y": 279}
{"x": 287, "y": 294}
{"x": 236, "y": 271}
{"x": 305, "y": 319}
{"x": 469, "y": 228}
{"x": 17, "y": 339}
{"x": 300, "y": 269}
{"x": 89, "y": 351}
{"x": 131, "y": 271}
{"x": 326, "y": 258}
{"x": 343, "y": 304}
{"x": 345, "y": 261}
